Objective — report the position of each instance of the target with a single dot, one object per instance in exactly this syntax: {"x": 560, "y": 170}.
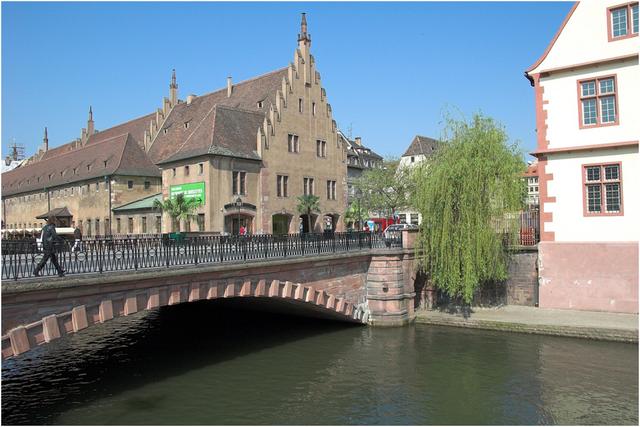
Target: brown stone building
{"x": 87, "y": 182}
{"x": 247, "y": 151}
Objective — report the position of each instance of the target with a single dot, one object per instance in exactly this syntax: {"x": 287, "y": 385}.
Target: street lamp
{"x": 238, "y": 204}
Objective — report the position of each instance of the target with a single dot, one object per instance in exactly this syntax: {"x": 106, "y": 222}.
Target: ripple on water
{"x": 211, "y": 363}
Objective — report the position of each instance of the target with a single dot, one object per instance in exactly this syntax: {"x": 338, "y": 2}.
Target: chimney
{"x": 358, "y": 141}
{"x": 190, "y": 99}
{"x": 229, "y": 87}
{"x": 7, "y": 160}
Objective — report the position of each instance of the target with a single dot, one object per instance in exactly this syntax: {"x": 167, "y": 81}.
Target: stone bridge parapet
{"x": 373, "y": 286}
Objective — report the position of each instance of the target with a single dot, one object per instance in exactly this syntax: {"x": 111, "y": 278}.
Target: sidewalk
{"x": 569, "y": 323}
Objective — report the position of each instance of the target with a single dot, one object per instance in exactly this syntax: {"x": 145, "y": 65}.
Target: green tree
{"x": 473, "y": 182}
{"x": 179, "y": 208}
{"x": 355, "y": 213}
{"x": 308, "y": 204}
{"x": 387, "y": 188}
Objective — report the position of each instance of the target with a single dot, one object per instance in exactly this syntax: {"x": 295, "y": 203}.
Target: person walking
{"x": 49, "y": 240}
{"x": 77, "y": 236}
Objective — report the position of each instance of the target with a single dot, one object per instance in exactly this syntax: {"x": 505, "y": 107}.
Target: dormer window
{"x": 260, "y": 104}
{"x": 88, "y": 167}
{"x": 186, "y": 125}
{"x": 105, "y": 163}
{"x": 165, "y": 130}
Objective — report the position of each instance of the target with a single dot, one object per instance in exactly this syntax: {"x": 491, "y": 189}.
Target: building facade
{"x": 87, "y": 182}
{"x": 533, "y": 186}
{"x": 587, "y": 86}
{"x": 246, "y": 152}
{"x": 359, "y": 159}
{"x": 420, "y": 149}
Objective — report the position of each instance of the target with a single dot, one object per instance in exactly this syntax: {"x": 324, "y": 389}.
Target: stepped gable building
{"x": 250, "y": 149}
{"x": 586, "y": 87}
{"x": 246, "y": 151}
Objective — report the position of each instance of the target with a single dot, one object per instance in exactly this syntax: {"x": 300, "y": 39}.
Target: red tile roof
{"x": 119, "y": 155}
{"x": 178, "y": 136}
{"x": 532, "y": 170}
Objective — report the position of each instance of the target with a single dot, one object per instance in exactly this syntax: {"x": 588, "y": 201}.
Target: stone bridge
{"x": 373, "y": 287}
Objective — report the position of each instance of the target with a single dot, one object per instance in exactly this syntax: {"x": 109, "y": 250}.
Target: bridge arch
{"x": 106, "y": 307}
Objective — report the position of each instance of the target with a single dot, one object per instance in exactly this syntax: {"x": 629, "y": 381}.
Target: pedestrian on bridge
{"x": 49, "y": 240}
{"x": 77, "y": 236}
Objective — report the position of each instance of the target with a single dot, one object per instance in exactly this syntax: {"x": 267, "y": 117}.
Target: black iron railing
{"x": 19, "y": 258}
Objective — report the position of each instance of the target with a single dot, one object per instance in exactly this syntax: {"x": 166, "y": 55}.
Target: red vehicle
{"x": 381, "y": 224}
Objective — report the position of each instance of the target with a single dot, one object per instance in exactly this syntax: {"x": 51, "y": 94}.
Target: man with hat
{"x": 49, "y": 240}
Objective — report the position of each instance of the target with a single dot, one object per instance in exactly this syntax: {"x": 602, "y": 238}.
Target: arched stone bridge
{"x": 369, "y": 287}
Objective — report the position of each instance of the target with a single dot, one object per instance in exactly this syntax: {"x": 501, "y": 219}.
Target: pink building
{"x": 587, "y": 95}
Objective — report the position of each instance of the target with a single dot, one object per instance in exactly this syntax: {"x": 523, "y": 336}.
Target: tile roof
{"x": 117, "y": 155}
{"x": 532, "y": 170}
{"x": 135, "y": 127}
{"x": 223, "y": 131}
{"x": 62, "y": 212}
{"x": 189, "y": 128}
{"x": 144, "y": 203}
{"x": 422, "y": 145}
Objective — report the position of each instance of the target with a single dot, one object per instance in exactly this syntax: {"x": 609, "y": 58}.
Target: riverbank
{"x": 568, "y": 323}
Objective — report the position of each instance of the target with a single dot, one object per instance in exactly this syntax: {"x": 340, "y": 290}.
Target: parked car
{"x": 394, "y": 229}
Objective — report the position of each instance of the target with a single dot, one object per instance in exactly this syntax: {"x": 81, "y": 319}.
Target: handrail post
{"x": 195, "y": 250}
{"x": 16, "y": 262}
{"x": 165, "y": 245}
{"x": 135, "y": 254}
{"x": 243, "y": 242}
{"x": 99, "y": 244}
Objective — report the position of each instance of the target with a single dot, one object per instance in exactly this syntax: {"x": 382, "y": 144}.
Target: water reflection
{"x": 211, "y": 363}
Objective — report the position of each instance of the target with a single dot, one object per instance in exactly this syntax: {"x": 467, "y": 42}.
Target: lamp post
{"x": 238, "y": 204}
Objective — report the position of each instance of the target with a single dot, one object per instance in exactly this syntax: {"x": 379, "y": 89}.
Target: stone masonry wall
{"x": 521, "y": 286}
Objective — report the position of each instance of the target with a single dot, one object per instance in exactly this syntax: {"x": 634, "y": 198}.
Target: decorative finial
{"x": 45, "y": 133}
{"x": 303, "y": 36}
{"x": 173, "y": 80}
{"x": 90, "y": 113}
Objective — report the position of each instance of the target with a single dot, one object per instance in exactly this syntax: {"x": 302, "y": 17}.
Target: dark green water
{"x": 211, "y": 363}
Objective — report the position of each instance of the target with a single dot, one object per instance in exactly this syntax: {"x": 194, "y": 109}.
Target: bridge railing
{"x": 19, "y": 258}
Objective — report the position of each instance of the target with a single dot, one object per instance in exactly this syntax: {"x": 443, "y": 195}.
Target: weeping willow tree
{"x": 466, "y": 193}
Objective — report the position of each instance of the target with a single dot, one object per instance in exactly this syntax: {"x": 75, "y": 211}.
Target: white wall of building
{"x": 563, "y": 115}
{"x": 585, "y": 39}
{"x": 569, "y": 222}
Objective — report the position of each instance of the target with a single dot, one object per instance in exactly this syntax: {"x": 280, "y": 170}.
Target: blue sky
{"x": 390, "y": 69}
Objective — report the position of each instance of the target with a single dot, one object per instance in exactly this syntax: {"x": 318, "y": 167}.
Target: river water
{"x": 215, "y": 363}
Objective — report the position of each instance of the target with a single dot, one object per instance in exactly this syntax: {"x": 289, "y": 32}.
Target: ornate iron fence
{"x": 19, "y": 258}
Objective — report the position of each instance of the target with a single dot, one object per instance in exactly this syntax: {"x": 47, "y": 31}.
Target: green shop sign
{"x": 194, "y": 190}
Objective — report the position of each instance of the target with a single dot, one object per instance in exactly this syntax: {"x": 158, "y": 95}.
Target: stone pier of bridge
{"x": 374, "y": 287}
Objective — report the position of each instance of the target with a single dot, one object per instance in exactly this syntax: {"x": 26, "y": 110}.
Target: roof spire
{"x": 45, "y": 140}
{"x": 173, "y": 89}
{"x": 173, "y": 80}
{"x": 90, "y": 127}
{"x": 304, "y": 36}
